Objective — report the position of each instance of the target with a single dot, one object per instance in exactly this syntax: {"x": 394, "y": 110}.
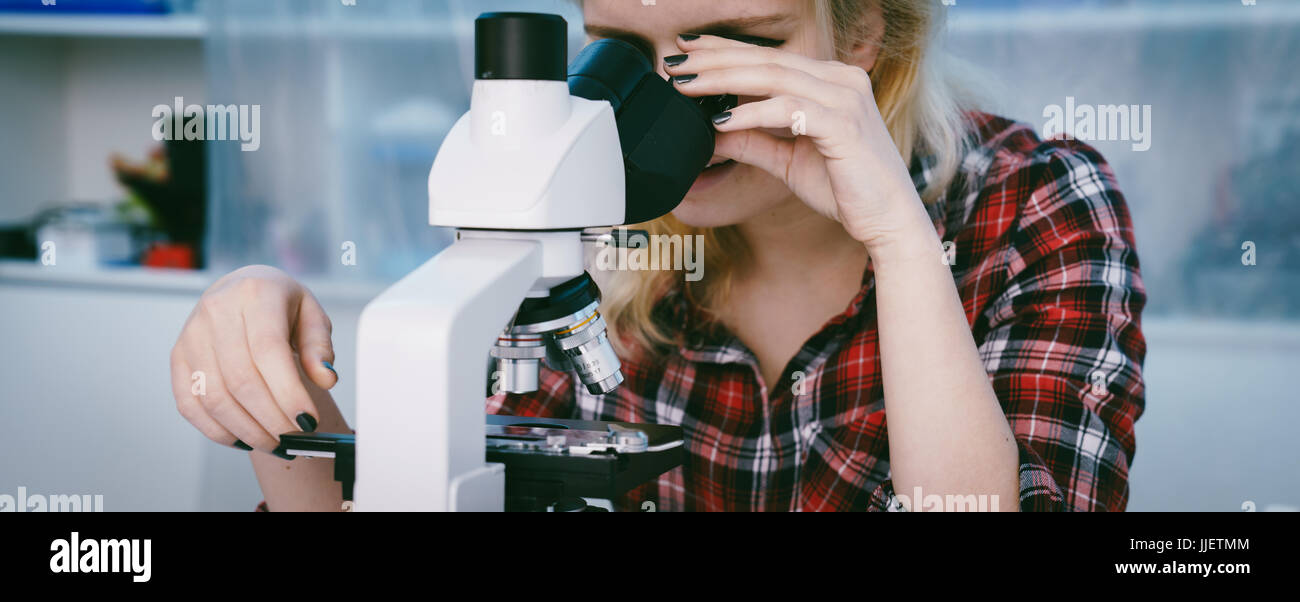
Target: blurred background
{"x": 355, "y": 96}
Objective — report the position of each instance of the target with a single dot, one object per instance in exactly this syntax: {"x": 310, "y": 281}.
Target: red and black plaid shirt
{"x": 1048, "y": 275}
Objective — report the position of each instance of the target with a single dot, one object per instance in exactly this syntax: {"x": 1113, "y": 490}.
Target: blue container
{"x": 133, "y": 7}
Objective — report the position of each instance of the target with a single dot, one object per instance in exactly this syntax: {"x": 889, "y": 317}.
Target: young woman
{"x": 876, "y": 253}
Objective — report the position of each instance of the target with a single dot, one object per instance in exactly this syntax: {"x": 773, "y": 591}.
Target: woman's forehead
{"x": 679, "y": 16}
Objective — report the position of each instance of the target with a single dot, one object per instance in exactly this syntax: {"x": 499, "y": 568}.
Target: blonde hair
{"x": 922, "y": 106}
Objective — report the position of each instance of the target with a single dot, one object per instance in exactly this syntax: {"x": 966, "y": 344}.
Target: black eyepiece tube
{"x": 666, "y": 137}
{"x": 520, "y": 46}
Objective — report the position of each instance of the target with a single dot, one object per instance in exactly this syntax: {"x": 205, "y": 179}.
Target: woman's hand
{"x": 834, "y": 151}
{"x": 240, "y": 364}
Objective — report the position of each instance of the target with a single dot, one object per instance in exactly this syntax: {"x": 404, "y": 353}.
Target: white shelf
{"x": 103, "y": 26}
{"x": 193, "y": 26}
{"x": 14, "y": 273}
{"x": 964, "y": 20}
{"x": 342, "y": 26}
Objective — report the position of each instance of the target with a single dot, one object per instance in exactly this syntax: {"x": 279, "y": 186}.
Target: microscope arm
{"x": 421, "y": 350}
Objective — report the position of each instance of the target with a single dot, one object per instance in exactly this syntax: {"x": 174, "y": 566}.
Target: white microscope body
{"x": 521, "y": 174}
{"x": 532, "y": 164}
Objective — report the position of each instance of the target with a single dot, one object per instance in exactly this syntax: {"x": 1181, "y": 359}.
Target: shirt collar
{"x": 707, "y": 340}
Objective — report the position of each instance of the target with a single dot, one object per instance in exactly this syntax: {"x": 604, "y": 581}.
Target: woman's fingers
{"x": 242, "y": 340}
{"x": 312, "y": 334}
{"x": 268, "y": 342}
{"x": 795, "y": 161}
{"x": 239, "y": 375}
{"x": 712, "y": 52}
{"x": 689, "y": 42}
{"x": 798, "y": 116}
{"x": 219, "y": 403}
{"x": 766, "y": 79}
{"x": 760, "y": 149}
{"x": 186, "y": 388}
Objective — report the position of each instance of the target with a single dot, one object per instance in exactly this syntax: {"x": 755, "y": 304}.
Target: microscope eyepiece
{"x": 666, "y": 137}
{"x": 520, "y": 46}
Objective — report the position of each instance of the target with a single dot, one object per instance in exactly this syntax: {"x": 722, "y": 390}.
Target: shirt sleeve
{"x": 554, "y": 398}
{"x": 1060, "y": 334}
{"x": 1062, "y": 342}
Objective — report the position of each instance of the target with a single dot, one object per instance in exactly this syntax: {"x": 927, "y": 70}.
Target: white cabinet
{"x": 75, "y": 89}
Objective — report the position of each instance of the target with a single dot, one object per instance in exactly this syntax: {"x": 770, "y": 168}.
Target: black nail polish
{"x": 722, "y": 118}
{"x": 306, "y": 422}
{"x": 676, "y": 59}
{"x": 689, "y": 37}
{"x": 283, "y": 455}
{"x": 681, "y": 79}
{"x": 242, "y": 445}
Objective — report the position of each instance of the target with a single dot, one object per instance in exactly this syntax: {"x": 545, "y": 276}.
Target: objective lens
{"x": 555, "y": 358}
{"x": 518, "y": 360}
{"x": 588, "y": 349}
{"x": 565, "y": 329}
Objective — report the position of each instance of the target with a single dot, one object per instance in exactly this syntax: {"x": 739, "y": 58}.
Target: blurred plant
{"x": 171, "y": 187}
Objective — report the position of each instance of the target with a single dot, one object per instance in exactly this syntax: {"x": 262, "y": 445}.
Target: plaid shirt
{"x": 1047, "y": 273}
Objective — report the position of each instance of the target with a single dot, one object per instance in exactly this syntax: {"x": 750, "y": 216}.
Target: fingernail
{"x": 676, "y": 59}
{"x": 283, "y": 455}
{"x": 722, "y": 118}
{"x": 330, "y": 367}
{"x": 242, "y": 445}
{"x": 688, "y": 37}
{"x": 306, "y": 422}
{"x": 681, "y": 79}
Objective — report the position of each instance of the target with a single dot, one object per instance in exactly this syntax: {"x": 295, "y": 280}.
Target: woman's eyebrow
{"x": 718, "y": 28}
{"x": 740, "y": 25}
{"x": 601, "y": 31}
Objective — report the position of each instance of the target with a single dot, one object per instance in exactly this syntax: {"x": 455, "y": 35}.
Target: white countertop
{"x": 181, "y": 282}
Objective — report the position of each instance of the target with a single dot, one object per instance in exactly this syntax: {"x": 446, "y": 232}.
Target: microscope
{"x": 548, "y": 155}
